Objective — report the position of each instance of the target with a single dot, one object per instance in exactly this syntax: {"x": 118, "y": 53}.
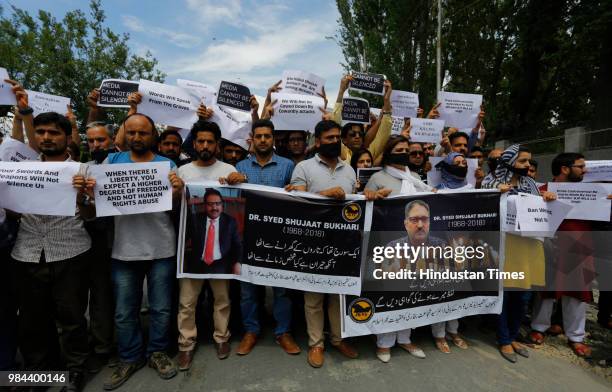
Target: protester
{"x": 296, "y": 146}
{"x": 417, "y": 161}
{"x": 533, "y": 169}
{"x": 51, "y": 266}
{"x": 453, "y": 170}
{"x": 101, "y": 304}
{"x": 478, "y": 153}
{"x": 382, "y": 129}
{"x": 395, "y": 179}
{"x": 522, "y": 254}
{"x": 493, "y": 159}
{"x": 329, "y": 176}
{"x": 170, "y": 142}
{"x": 232, "y": 153}
{"x": 206, "y": 136}
{"x": 572, "y": 290}
{"x": 264, "y": 167}
{"x": 144, "y": 245}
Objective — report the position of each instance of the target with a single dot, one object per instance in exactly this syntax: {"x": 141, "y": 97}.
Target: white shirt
{"x": 216, "y": 247}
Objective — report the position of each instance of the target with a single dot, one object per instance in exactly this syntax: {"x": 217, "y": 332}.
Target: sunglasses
{"x": 416, "y": 153}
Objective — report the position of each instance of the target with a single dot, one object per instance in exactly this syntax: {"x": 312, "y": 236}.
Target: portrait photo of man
{"x": 217, "y": 246}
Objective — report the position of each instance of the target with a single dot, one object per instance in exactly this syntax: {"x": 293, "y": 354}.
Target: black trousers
{"x": 53, "y": 296}
{"x": 101, "y": 302}
{"x": 8, "y": 313}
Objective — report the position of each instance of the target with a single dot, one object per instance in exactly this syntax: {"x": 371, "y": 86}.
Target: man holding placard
{"x": 206, "y": 136}
{"x": 51, "y": 262}
{"x": 382, "y": 129}
{"x": 143, "y": 245}
{"x": 572, "y": 268}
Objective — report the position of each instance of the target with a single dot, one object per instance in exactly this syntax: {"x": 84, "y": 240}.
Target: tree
{"x": 69, "y": 57}
{"x": 537, "y": 63}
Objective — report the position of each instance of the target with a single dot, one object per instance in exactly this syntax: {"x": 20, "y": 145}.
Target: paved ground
{"x": 267, "y": 368}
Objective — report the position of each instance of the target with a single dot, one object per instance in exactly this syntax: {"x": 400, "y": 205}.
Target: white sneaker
{"x": 413, "y": 350}
{"x": 384, "y": 356}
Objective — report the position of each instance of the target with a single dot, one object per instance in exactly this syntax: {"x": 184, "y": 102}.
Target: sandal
{"x": 520, "y": 349}
{"x": 580, "y": 349}
{"x": 535, "y": 337}
{"x": 442, "y": 345}
{"x": 554, "y": 330}
{"x": 508, "y": 353}
{"x": 458, "y": 341}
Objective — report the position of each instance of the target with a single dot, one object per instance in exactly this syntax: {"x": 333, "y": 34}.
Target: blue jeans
{"x": 128, "y": 278}
{"x": 249, "y": 306}
{"x": 509, "y": 321}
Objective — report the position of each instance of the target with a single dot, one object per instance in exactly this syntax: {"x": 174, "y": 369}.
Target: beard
{"x": 138, "y": 148}
{"x": 205, "y": 155}
{"x": 574, "y": 177}
{"x": 52, "y": 150}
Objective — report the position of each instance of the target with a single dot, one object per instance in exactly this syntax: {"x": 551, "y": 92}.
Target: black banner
{"x": 114, "y": 93}
{"x": 355, "y": 110}
{"x": 368, "y": 82}
{"x": 235, "y": 96}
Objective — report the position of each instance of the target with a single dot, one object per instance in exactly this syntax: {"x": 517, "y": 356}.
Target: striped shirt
{"x": 60, "y": 237}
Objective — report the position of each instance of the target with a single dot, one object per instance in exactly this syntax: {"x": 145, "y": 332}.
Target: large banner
{"x": 267, "y": 236}
{"x": 430, "y": 258}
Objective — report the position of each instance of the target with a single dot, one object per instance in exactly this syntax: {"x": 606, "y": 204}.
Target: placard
{"x": 588, "y": 199}
{"x": 114, "y": 93}
{"x": 426, "y": 130}
{"x": 42, "y": 103}
{"x": 235, "y": 96}
{"x": 296, "y": 112}
{"x": 300, "y": 82}
{"x": 132, "y": 188}
{"x": 12, "y": 150}
{"x": 355, "y": 110}
{"x": 6, "y": 94}
{"x": 404, "y": 103}
{"x": 459, "y": 110}
{"x": 168, "y": 105}
{"x": 43, "y": 188}
{"x": 367, "y": 83}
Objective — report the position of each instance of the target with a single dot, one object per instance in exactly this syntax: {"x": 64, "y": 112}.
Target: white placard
{"x": 12, "y": 150}
{"x": 589, "y": 200}
{"x": 206, "y": 93}
{"x": 397, "y": 124}
{"x": 296, "y": 112}
{"x": 598, "y": 171}
{"x": 434, "y": 176}
{"x": 509, "y": 222}
{"x": 43, "y": 188}
{"x": 300, "y": 82}
{"x": 375, "y": 111}
{"x": 6, "y": 94}
{"x": 132, "y": 188}
{"x": 459, "y": 110}
{"x": 426, "y": 130}
{"x": 169, "y": 105}
{"x": 539, "y": 218}
{"x": 42, "y": 103}
{"x": 235, "y": 125}
{"x": 404, "y": 103}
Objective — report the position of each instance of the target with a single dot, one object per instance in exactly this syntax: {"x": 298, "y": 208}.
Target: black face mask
{"x": 520, "y": 172}
{"x": 100, "y": 155}
{"x": 414, "y": 167}
{"x": 330, "y": 150}
{"x": 399, "y": 159}
{"x": 492, "y": 162}
{"x": 457, "y": 171}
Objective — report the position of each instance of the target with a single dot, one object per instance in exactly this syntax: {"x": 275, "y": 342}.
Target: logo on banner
{"x": 351, "y": 212}
{"x": 362, "y": 310}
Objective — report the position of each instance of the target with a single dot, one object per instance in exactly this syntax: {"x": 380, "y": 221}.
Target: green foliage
{"x": 69, "y": 57}
{"x": 537, "y": 63}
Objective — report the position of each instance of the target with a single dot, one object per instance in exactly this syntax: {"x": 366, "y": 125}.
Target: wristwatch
{"x": 385, "y": 112}
{"x": 26, "y": 111}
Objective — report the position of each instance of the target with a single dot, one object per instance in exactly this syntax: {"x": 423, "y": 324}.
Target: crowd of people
{"x": 56, "y": 270}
